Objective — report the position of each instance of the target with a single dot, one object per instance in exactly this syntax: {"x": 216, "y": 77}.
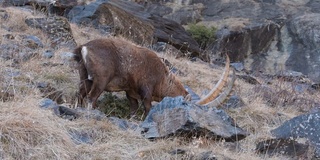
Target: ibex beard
{"x": 114, "y": 64}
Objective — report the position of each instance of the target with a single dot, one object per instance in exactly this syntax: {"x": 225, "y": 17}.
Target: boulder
{"x": 57, "y": 28}
{"x": 303, "y": 126}
{"x": 126, "y": 21}
{"x": 174, "y": 116}
{"x": 130, "y": 20}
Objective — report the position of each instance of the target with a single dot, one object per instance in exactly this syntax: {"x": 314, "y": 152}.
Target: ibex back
{"x": 114, "y": 64}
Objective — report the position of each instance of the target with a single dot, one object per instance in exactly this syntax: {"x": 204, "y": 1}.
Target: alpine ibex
{"x": 114, "y": 64}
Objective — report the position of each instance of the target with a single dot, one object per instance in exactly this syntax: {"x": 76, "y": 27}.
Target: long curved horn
{"x": 218, "y": 87}
{"x": 219, "y": 100}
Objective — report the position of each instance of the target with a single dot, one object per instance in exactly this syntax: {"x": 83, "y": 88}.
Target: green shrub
{"x": 202, "y": 34}
{"x": 111, "y": 105}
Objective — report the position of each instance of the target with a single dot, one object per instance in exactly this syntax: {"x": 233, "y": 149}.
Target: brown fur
{"x": 117, "y": 65}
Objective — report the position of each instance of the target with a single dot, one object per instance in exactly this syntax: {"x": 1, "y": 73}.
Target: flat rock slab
{"x": 174, "y": 116}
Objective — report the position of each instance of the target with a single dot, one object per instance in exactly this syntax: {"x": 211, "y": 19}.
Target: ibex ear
{"x": 187, "y": 98}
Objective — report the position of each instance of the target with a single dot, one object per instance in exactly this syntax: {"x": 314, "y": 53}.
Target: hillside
{"x": 30, "y": 132}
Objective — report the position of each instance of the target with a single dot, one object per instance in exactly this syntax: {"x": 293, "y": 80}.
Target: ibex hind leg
{"x": 97, "y": 88}
{"x": 84, "y": 89}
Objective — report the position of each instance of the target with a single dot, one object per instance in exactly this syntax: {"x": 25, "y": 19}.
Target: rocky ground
{"x": 278, "y": 111}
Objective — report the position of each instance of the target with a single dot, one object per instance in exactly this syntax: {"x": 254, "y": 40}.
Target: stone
{"x": 66, "y": 113}
{"x": 314, "y": 5}
{"x": 57, "y": 28}
{"x": 315, "y": 86}
{"x": 248, "y": 79}
{"x": 208, "y": 155}
{"x": 303, "y": 126}
{"x": 124, "y": 124}
{"x": 176, "y": 117}
{"x": 47, "y": 103}
{"x": 50, "y": 92}
{"x": 17, "y": 52}
{"x": 285, "y": 147}
{"x": 233, "y": 101}
{"x": 4, "y": 15}
{"x": 177, "y": 151}
{"x": 130, "y": 20}
{"x": 66, "y": 58}
{"x": 32, "y": 42}
{"x": 15, "y": 2}
{"x": 90, "y": 114}
{"x": 6, "y": 95}
{"x": 238, "y": 66}
{"x": 80, "y": 137}
{"x": 48, "y": 54}
{"x": 291, "y": 76}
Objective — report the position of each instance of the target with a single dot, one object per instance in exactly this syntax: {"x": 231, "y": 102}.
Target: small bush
{"x": 202, "y": 34}
{"x": 111, "y": 105}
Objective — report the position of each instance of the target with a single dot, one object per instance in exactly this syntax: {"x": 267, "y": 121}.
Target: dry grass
{"x": 28, "y": 132}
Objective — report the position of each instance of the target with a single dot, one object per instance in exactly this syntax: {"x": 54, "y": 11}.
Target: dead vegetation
{"x": 29, "y": 132}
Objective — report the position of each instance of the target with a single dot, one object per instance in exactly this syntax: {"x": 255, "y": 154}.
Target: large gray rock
{"x": 304, "y": 126}
{"x": 174, "y": 116}
{"x": 130, "y": 20}
{"x": 57, "y": 28}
